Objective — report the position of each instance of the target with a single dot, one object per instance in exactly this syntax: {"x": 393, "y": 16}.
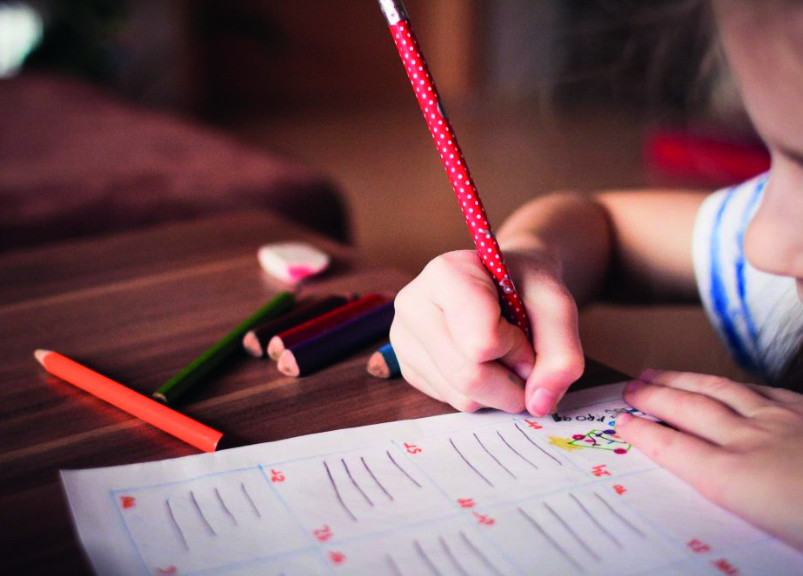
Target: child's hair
{"x": 663, "y": 55}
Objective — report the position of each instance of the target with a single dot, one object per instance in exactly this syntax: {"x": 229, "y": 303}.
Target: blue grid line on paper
{"x": 184, "y": 480}
{"x": 272, "y": 559}
{"x": 462, "y": 511}
{"x": 127, "y": 531}
{"x": 146, "y": 570}
{"x": 294, "y": 516}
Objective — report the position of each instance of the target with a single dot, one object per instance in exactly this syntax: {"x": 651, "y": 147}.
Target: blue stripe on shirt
{"x": 719, "y": 292}
{"x": 740, "y": 264}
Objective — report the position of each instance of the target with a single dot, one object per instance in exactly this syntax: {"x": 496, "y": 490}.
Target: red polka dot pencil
{"x": 322, "y": 323}
{"x": 453, "y": 160}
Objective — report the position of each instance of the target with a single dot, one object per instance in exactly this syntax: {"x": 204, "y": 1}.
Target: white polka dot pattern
{"x": 458, "y": 173}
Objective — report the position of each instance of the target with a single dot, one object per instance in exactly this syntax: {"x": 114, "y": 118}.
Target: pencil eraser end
{"x": 292, "y": 262}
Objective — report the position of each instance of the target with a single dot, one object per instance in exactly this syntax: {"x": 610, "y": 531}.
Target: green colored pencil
{"x": 202, "y": 365}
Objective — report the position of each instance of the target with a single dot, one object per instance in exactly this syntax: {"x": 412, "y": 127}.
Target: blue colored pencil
{"x": 384, "y": 364}
{"x": 336, "y": 343}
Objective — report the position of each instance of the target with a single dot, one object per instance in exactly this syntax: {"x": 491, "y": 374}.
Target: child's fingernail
{"x": 623, "y": 418}
{"x": 542, "y": 402}
{"x": 648, "y": 375}
{"x": 523, "y": 370}
{"x": 634, "y": 386}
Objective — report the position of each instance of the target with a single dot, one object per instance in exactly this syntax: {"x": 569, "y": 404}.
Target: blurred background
{"x": 544, "y": 95}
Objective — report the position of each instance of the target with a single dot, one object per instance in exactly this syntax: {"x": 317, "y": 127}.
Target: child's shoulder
{"x": 756, "y": 314}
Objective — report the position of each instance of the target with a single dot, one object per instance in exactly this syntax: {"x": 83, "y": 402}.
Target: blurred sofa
{"x": 76, "y": 161}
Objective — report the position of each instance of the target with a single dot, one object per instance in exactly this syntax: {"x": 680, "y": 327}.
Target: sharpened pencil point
{"x": 275, "y": 348}
{"x": 288, "y": 365}
{"x": 252, "y": 345}
{"x": 377, "y": 366}
{"x": 40, "y": 356}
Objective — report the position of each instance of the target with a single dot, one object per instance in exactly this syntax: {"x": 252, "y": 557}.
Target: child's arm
{"x": 739, "y": 446}
{"x": 449, "y": 335}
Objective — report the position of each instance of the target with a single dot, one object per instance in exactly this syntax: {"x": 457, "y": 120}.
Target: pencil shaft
{"x": 302, "y": 313}
{"x": 341, "y": 340}
{"x": 453, "y": 161}
{"x": 202, "y": 365}
{"x": 181, "y": 426}
{"x": 331, "y": 319}
{"x": 391, "y": 361}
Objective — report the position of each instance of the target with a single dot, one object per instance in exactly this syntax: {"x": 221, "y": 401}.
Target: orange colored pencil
{"x": 154, "y": 413}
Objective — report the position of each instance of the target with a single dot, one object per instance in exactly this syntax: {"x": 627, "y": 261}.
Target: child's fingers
{"x": 466, "y": 388}
{"x": 420, "y": 364}
{"x": 488, "y": 383}
{"x": 559, "y": 353}
{"x": 781, "y": 395}
{"x": 739, "y": 397}
{"x": 695, "y": 413}
{"x": 691, "y": 459}
{"x": 408, "y": 352}
{"x": 473, "y": 314}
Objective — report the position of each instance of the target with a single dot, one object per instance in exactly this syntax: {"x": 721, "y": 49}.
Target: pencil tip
{"x": 252, "y": 345}
{"x": 287, "y": 364}
{"x": 40, "y": 356}
{"x": 275, "y": 348}
{"x": 377, "y": 366}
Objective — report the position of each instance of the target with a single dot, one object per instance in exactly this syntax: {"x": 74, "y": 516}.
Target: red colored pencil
{"x": 316, "y": 326}
{"x": 256, "y": 341}
{"x": 181, "y": 426}
{"x": 335, "y": 343}
{"x": 453, "y": 161}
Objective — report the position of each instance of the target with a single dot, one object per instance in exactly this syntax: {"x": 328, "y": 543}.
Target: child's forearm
{"x": 637, "y": 242}
{"x": 574, "y": 229}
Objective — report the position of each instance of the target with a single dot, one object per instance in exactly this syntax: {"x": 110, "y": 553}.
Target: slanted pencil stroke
{"x": 616, "y": 513}
{"x": 551, "y": 540}
{"x": 250, "y": 500}
{"x": 402, "y": 470}
{"x": 516, "y": 452}
{"x": 355, "y": 484}
{"x": 337, "y": 492}
{"x": 479, "y": 554}
{"x": 495, "y": 459}
{"x": 378, "y": 483}
{"x": 425, "y": 557}
{"x": 176, "y": 526}
{"x": 225, "y": 508}
{"x": 534, "y": 443}
{"x": 469, "y": 464}
{"x": 393, "y": 566}
{"x": 573, "y": 532}
{"x": 452, "y": 558}
{"x": 201, "y": 513}
{"x": 596, "y": 522}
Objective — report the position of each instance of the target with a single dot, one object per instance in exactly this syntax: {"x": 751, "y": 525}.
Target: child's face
{"x": 764, "y": 43}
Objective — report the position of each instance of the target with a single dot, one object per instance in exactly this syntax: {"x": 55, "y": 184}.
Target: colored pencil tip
{"x": 252, "y": 345}
{"x": 40, "y": 356}
{"x": 275, "y": 348}
{"x": 160, "y": 397}
{"x": 377, "y": 366}
{"x": 288, "y": 365}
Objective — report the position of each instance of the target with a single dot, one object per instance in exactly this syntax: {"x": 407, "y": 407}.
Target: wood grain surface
{"x": 137, "y": 308}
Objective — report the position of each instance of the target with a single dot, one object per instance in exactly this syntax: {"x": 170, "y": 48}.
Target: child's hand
{"x": 740, "y": 446}
{"x": 453, "y": 344}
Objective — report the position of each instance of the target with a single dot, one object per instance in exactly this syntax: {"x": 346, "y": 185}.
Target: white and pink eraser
{"x": 292, "y": 262}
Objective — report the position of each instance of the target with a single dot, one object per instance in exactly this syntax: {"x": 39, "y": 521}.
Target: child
{"x": 740, "y": 250}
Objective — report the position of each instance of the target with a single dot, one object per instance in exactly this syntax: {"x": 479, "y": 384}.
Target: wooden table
{"x": 138, "y": 307}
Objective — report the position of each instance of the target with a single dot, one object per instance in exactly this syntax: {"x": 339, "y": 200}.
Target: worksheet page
{"x": 462, "y": 494}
